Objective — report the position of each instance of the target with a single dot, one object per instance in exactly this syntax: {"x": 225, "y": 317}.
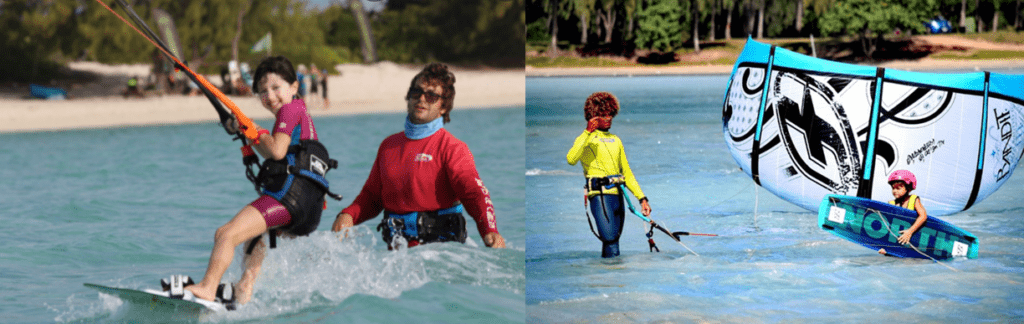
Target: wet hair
{"x": 437, "y": 74}
{"x": 275, "y": 64}
{"x": 601, "y": 104}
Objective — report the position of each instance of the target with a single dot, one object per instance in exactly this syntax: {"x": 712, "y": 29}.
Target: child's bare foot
{"x": 882, "y": 251}
{"x": 202, "y": 292}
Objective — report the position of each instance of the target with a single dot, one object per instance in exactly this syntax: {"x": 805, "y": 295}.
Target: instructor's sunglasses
{"x": 429, "y": 97}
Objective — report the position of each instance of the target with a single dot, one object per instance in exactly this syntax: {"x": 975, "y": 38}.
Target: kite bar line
{"x": 673, "y": 235}
{"x": 246, "y": 126}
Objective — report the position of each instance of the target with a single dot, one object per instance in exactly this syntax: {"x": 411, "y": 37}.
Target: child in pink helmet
{"x": 902, "y": 182}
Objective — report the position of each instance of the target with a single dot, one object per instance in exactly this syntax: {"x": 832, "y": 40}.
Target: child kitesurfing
{"x": 290, "y": 180}
{"x": 902, "y": 182}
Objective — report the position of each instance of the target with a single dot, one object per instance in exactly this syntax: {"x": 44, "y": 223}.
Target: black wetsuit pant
{"x": 609, "y": 215}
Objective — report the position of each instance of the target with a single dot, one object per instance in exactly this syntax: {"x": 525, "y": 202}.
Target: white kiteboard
{"x": 162, "y": 299}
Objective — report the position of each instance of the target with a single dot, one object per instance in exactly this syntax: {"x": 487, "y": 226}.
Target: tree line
{"x": 669, "y": 25}
{"x": 38, "y": 36}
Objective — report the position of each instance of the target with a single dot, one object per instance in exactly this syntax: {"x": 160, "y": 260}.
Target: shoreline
{"x": 358, "y": 90}
{"x": 719, "y": 69}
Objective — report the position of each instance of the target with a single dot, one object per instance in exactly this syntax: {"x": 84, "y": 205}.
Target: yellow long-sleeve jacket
{"x": 602, "y": 155}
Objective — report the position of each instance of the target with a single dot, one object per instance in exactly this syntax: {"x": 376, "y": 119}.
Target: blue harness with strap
{"x": 425, "y": 227}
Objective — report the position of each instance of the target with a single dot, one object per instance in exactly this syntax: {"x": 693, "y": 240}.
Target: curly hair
{"x": 437, "y": 74}
{"x": 601, "y": 104}
{"x": 275, "y": 64}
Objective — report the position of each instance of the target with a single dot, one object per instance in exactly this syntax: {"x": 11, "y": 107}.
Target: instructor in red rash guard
{"x": 424, "y": 177}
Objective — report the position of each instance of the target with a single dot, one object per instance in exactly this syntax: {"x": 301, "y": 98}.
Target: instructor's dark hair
{"x": 437, "y": 74}
{"x": 274, "y": 64}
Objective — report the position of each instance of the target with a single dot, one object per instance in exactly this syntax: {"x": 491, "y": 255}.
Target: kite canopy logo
{"x": 804, "y": 127}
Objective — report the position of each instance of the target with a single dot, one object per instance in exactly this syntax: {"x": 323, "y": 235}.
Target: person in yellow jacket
{"x": 605, "y": 167}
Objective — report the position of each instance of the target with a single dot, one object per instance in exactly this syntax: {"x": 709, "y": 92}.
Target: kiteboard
{"x": 876, "y": 225}
{"x": 162, "y": 299}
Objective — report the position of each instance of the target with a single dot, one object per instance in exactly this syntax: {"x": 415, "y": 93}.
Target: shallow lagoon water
{"x": 771, "y": 263}
{"x": 127, "y": 206}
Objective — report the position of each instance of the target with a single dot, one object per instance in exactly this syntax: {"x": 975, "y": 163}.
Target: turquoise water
{"x": 127, "y": 206}
{"x": 771, "y": 263}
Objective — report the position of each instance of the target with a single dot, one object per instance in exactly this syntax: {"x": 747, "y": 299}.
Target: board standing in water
{"x": 423, "y": 177}
{"x": 902, "y": 182}
{"x": 605, "y": 167}
{"x": 292, "y": 192}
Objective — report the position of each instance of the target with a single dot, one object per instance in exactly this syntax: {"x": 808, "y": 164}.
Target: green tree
{"x": 696, "y": 8}
{"x": 729, "y": 5}
{"x": 799, "y": 16}
{"x": 32, "y": 33}
{"x": 104, "y": 38}
{"x": 465, "y": 32}
{"x": 869, "y": 20}
{"x": 341, "y": 33}
{"x": 238, "y": 29}
{"x": 358, "y": 24}
{"x": 584, "y": 10}
{"x": 658, "y": 25}
{"x": 760, "y": 18}
{"x": 629, "y": 9}
{"x": 1016, "y": 15}
{"x": 195, "y": 20}
{"x": 554, "y": 10}
{"x": 780, "y": 16}
{"x": 607, "y": 13}
{"x": 996, "y": 13}
{"x": 404, "y": 34}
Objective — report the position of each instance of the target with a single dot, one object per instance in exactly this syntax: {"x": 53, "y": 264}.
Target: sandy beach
{"x": 352, "y": 89}
{"x": 359, "y": 89}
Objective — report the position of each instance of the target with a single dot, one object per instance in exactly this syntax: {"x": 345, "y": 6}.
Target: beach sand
{"x": 360, "y": 89}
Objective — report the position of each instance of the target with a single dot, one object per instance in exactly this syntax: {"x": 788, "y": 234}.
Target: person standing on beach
{"x": 423, "y": 177}
{"x": 605, "y": 168}
{"x": 302, "y": 76}
{"x": 133, "y": 88}
{"x": 314, "y": 75}
{"x": 291, "y": 179}
{"x": 323, "y": 88}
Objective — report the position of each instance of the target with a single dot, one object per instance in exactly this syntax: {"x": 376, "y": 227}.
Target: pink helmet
{"x": 905, "y": 176}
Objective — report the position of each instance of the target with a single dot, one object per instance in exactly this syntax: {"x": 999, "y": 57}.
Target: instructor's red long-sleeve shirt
{"x": 424, "y": 175}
